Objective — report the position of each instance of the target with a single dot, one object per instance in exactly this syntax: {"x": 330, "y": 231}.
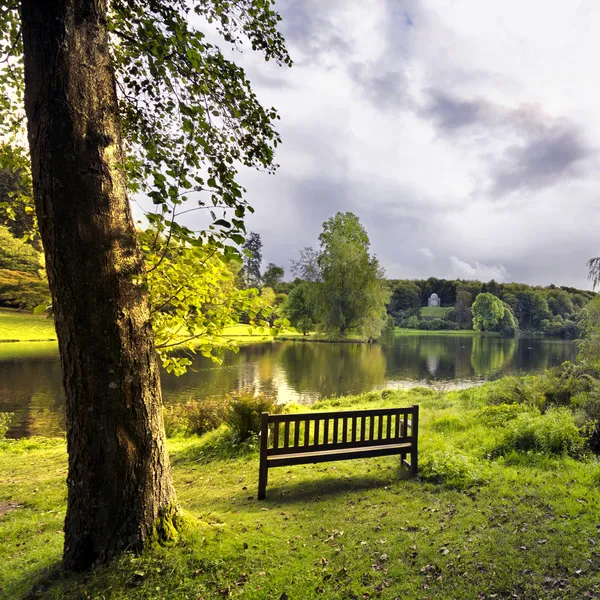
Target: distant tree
{"x": 462, "y": 310}
{"x": 16, "y": 194}
{"x": 508, "y": 325}
{"x": 16, "y": 255}
{"x": 511, "y": 300}
{"x": 353, "y": 294}
{"x": 273, "y": 275}
{"x": 405, "y": 295}
{"x": 413, "y": 322}
{"x": 487, "y": 312}
{"x": 300, "y": 308}
{"x": 491, "y": 314}
{"x": 307, "y": 266}
{"x": 560, "y": 303}
{"x": 493, "y": 288}
{"x": 23, "y": 282}
{"x": 250, "y": 272}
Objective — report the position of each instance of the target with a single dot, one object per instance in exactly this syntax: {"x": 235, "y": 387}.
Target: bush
{"x": 436, "y": 324}
{"x": 244, "y": 413}
{"x": 449, "y": 423}
{"x": 552, "y": 433}
{"x": 196, "y": 417}
{"x": 512, "y": 390}
{"x": 499, "y": 415}
{"x": 452, "y": 469}
{"x": 413, "y": 322}
{"x": 5, "y": 419}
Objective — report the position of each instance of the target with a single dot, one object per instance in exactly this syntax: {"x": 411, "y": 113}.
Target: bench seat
{"x": 300, "y": 458}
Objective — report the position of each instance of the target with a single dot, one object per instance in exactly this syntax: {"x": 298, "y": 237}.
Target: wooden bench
{"x": 315, "y": 437}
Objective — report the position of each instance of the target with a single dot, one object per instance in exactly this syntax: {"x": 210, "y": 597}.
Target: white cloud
{"x": 464, "y": 270}
{"x": 427, "y": 253}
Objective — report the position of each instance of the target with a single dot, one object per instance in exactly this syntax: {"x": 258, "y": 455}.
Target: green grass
{"x": 25, "y": 327}
{"x": 460, "y": 332}
{"x": 523, "y": 525}
{"x": 431, "y": 312}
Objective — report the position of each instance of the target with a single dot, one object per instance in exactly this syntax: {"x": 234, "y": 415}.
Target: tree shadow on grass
{"x": 215, "y": 446}
{"x": 40, "y": 582}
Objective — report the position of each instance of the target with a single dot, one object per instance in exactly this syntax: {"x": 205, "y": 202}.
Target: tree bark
{"x": 119, "y": 482}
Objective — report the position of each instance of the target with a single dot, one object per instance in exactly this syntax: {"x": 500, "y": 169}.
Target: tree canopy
{"x": 352, "y": 294}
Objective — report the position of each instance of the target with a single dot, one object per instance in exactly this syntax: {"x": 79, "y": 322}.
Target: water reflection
{"x": 295, "y": 371}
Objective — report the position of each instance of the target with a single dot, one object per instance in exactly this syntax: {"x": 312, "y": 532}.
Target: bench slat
{"x": 286, "y": 434}
{"x": 276, "y": 435}
{"x": 316, "y": 457}
{"x": 339, "y": 446}
{"x": 338, "y": 413}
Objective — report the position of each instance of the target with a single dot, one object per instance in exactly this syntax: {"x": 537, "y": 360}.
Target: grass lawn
{"x": 25, "y": 327}
{"x": 469, "y": 332}
{"x": 523, "y": 525}
{"x": 432, "y": 312}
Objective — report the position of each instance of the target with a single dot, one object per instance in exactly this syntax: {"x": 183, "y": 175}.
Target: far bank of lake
{"x": 30, "y": 380}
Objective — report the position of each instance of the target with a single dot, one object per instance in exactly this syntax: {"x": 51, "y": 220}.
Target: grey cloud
{"x": 386, "y": 89}
{"x": 308, "y": 26}
{"x": 549, "y": 157}
{"x": 450, "y": 113}
{"x": 550, "y": 150}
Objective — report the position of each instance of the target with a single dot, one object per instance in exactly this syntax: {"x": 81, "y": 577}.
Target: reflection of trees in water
{"x": 31, "y": 389}
{"x": 323, "y": 369}
{"x": 490, "y": 355}
{"x": 426, "y": 357}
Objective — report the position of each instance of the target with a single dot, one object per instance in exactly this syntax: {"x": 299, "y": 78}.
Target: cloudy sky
{"x": 463, "y": 133}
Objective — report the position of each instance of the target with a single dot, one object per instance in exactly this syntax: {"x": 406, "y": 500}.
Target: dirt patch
{"x": 6, "y": 507}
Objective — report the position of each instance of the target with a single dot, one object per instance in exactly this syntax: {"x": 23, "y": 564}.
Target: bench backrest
{"x": 320, "y": 431}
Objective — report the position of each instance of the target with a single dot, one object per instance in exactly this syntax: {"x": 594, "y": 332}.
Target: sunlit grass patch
{"x": 25, "y": 326}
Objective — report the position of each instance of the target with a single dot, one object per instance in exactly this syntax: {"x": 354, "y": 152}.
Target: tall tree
{"x": 273, "y": 275}
{"x": 462, "y": 309}
{"x": 252, "y": 260}
{"x": 300, "y": 308}
{"x": 353, "y": 294}
{"x": 307, "y": 266}
{"x": 487, "y": 312}
{"x": 190, "y": 117}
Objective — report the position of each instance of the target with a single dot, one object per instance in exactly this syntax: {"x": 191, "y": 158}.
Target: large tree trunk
{"x": 119, "y": 481}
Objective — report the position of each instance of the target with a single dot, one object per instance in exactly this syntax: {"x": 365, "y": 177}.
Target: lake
{"x": 30, "y": 384}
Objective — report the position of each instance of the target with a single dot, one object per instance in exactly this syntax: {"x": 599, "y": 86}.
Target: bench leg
{"x": 414, "y": 464}
{"x": 263, "y": 477}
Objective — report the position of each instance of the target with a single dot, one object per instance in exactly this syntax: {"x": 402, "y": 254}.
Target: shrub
{"x": 551, "y": 433}
{"x": 449, "y": 423}
{"x": 196, "y": 417}
{"x": 244, "y": 413}
{"x": 499, "y": 415}
{"x": 413, "y": 322}
{"x": 436, "y": 324}
{"x": 452, "y": 469}
{"x": 5, "y": 419}
{"x": 512, "y": 390}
